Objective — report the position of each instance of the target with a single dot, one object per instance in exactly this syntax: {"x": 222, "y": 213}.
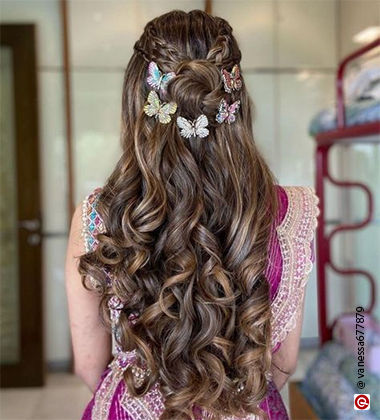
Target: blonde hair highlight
{"x": 187, "y": 229}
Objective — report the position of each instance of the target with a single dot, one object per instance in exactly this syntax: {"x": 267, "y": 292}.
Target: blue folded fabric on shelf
{"x": 359, "y": 112}
{"x": 328, "y": 390}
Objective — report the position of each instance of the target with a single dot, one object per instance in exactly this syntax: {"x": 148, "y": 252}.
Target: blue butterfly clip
{"x": 158, "y": 80}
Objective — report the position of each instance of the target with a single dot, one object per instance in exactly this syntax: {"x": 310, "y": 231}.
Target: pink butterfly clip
{"x": 227, "y": 113}
{"x": 232, "y": 81}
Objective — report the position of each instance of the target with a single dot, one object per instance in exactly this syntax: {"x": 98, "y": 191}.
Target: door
{"x": 21, "y": 350}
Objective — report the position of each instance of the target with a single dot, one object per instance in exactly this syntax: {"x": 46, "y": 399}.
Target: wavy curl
{"x": 187, "y": 229}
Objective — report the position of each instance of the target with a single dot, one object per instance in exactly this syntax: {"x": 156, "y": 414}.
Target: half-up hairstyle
{"x": 187, "y": 226}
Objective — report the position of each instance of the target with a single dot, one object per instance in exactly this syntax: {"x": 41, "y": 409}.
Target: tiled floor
{"x": 65, "y": 396}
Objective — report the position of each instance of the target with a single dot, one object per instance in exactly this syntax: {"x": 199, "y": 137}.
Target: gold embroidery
{"x": 104, "y": 395}
{"x": 91, "y": 225}
{"x": 295, "y": 234}
{"x": 149, "y": 407}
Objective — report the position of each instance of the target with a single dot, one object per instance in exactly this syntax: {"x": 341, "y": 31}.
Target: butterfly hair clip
{"x": 158, "y": 80}
{"x": 232, "y": 81}
{"x": 160, "y": 110}
{"x": 227, "y": 113}
{"x": 196, "y": 128}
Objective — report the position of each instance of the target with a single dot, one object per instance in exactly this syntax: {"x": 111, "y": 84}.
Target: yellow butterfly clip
{"x": 155, "y": 108}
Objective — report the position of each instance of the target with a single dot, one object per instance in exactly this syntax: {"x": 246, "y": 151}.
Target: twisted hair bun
{"x": 197, "y": 88}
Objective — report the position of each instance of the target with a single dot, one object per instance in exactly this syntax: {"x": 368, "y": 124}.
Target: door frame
{"x": 29, "y": 371}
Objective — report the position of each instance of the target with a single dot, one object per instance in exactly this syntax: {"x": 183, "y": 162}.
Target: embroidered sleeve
{"x": 296, "y": 238}
{"x": 92, "y": 224}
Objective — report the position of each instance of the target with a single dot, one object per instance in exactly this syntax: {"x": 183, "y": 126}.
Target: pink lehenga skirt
{"x": 111, "y": 400}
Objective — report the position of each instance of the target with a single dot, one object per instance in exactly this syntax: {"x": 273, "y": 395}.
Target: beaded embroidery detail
{"x": 115, "y": 306}
{"x": 295, "y": 234}
{"x": 92, "y": 223}
{"x": 103, "y": 396}
{"x": 150, "y": 406}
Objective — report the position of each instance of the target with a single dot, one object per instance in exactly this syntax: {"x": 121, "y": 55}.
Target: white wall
{"x": 45, "y": 14}
{"x": 290, "y": 52}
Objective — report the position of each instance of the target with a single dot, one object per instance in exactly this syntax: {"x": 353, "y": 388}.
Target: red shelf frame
{"x": 343, "y": 134}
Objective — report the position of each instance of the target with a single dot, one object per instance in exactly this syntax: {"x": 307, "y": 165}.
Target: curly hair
{"x": 187, "y": 227}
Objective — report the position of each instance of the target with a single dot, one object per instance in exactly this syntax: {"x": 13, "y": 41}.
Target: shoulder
{"x": 297, "y": 203}
{"x": 298, "y": 212}
{"x": 85, "y": 224}
{"x": 295, "y": 231}
{"x": 91, "y": 220}
{"x": 296, "y": 220}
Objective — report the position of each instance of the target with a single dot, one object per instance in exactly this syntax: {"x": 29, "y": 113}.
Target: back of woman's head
{"x": 187, "y": 222}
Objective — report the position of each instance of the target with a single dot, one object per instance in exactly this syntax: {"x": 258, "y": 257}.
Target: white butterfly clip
{"x": 158, "y": 80}
{"x": 158, "y": 109}
{"x": 196, "y": 128}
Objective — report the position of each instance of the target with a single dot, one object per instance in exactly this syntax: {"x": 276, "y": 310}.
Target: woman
{"x": 195, "y": 257}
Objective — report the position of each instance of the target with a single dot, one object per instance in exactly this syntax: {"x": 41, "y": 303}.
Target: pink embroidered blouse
{"x": 290, "y": 261}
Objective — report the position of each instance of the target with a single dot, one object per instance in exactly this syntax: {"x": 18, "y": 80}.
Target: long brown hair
{"x": 187, "y": 228}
